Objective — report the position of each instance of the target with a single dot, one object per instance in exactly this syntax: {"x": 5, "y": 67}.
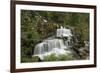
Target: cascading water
{"x": 63, "y": 32}
{"x": 48, "y": 45}
{"x": 54, "y": 45}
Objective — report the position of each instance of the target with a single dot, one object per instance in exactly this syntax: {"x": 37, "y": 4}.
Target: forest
{"x": 38, "y": 25}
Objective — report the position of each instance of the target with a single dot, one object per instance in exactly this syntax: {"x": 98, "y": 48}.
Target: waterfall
{"x": 49, "y": 45}
{"x": 63, "y": 32}
{"x": 53, "y": 44}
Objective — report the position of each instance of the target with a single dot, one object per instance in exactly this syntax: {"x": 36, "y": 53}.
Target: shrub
{"x": 51, "y": 57}
{"x": 66, "y": 57}
{"x": 63, "y": 57}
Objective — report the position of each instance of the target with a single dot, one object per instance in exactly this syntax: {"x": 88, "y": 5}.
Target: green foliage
{"x": 63, "y": 57}
{"x": 27, "y": 59}
{"x": 51, "y": 57}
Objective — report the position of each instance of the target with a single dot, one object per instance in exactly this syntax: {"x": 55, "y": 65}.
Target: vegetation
{"x": 27, "y": 59}
{"x": 51, "y": 57}
{"x": 37, "y": 25}
{"x": 62, "y": 57}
